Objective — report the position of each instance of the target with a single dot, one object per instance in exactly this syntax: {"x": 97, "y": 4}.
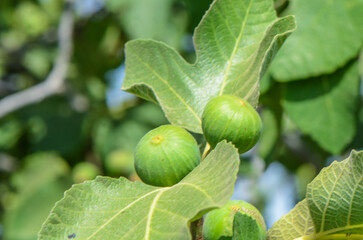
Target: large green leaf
{"x": 234, "y": 43}
{"x": 295, "y": 224}
{"x": 326, "y": 107}
{"x": 109, "y": 208}
{"x": 335, "y": 197}
{"x": 326, "y": 38}
{"x": 333, "y": 208}
{"x": 355, "y": 9}
{"x": 37, "y": 187}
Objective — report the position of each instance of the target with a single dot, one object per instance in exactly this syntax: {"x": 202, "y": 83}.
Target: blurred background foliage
{"x": 310, "y": 100}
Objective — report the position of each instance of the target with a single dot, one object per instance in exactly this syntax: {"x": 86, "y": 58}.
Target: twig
{"x": 54, "y": 83}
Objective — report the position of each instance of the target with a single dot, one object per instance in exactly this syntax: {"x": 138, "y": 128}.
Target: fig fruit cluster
{"x": 168, "y": 153}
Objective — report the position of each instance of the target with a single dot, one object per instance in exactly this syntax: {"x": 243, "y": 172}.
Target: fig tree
{"x": 218, "y": 224}
{"x": 231, "y": 118}
{"x": 165, "y": 155}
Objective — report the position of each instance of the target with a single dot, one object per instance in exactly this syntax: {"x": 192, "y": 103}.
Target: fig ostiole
{"x": 165, "y": 155}
{"x": 218, "y": 224}
{"x": 233, "y": 119}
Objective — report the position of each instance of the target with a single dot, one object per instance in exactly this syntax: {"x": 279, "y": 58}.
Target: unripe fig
{"x": 84, "y": 171}
{"x": 165, "y": 155}
{"x": 218, "y": 224}
{"x": 120, "y": 163}
{"x": 231, "y": 118}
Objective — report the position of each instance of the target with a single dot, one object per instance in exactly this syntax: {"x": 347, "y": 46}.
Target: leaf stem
{"x": 206, "y": 151}
{"x": 197, "y": 229}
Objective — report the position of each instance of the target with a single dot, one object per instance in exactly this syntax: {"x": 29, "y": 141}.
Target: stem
{"x": 197, "y": 229}
{"x": 206, "y": 151}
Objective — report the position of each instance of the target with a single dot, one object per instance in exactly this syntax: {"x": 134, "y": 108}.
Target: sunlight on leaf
{"x": 234, "y": 43}
{"x": 333, "y": 208}
{"x": 108, "y": 208}
{"x": 335, "y": 197}
{"x": 295, "y": 224}
{"x": 325, "y": 40}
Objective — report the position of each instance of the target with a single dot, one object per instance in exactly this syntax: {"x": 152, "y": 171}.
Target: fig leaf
{"x": 234, "y": 44}
{"x": 108, "y": 208}
{"x": 333, "y": 208}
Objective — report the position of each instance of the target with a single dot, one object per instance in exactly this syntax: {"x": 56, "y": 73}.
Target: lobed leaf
{"x": 234, "y": 44}
{"x": 109, "y": 208}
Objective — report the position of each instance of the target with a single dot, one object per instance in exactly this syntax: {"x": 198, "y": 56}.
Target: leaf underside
{"x": 333, "y": 206}
{"x": 108, "y": 208}
{"x": 325, "y": 107}
{"x": 234, "y": 44}
{"x": 335, "y": 197}
{"x": 327, "y": 37}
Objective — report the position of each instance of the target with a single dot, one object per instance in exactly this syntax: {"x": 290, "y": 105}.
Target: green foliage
{"x": 317, "y": 67}
{"x": 139, "y": 20}
{"x": 320, "y": 107}
{"x": 310, "y": 105}
{"x": 325, "y": 39}
{"x": 295, "y": 224}
{"x": 36, "y": 188}
{"x": 118, "y": 207}
{"x": 229, "y": 40}
{"x": 333, "y": 207}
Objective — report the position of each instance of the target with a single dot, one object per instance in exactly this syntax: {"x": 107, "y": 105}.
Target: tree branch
{"x": 55, "y": 81}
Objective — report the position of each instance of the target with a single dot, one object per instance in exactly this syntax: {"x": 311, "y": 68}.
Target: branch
{"x": 55, "y": 81}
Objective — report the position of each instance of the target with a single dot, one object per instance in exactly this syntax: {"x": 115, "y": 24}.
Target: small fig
{"x": 231, "y": 118}
{"x": 218, "y": 224}
{"x": 120, "y": 163}
{"x": 165, "y": 155}
{"x": 84, "y": 171}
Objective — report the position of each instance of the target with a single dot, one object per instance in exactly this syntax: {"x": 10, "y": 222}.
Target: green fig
{"x": 165, "y": 155}
{"x": 120, "y": 163}
{"x": 231, "y": 118}
{"x": 84, "y": 171}
{"x": 218, "y": 224}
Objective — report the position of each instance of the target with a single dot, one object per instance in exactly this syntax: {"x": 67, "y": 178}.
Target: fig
{"x": 218, "y": 224}
{"x": 84, "y": 171}
{"x": 165, "y": 155}
{"x": 231, "y": 118}
{"x": 120, "y": 163}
